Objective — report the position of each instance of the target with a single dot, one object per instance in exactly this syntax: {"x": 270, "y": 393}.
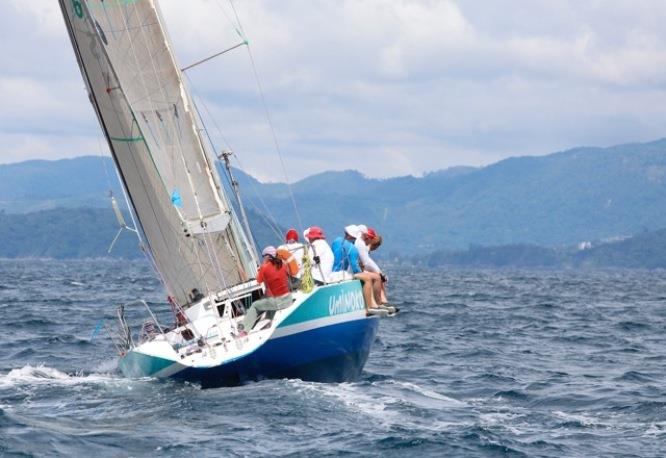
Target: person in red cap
{"x": 375, "y": 243}
{"x": 363, "y": 243}
{"x": 292, "y": 236}
{"x": 293, "y": 246}
{"x": 320, "y": 253}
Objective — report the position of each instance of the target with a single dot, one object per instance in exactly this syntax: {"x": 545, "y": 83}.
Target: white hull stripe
{"x": 169, "y": 371}
{"x": 317, "y": 323}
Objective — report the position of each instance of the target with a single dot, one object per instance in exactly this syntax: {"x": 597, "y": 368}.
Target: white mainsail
{"x": 155, "y": 137}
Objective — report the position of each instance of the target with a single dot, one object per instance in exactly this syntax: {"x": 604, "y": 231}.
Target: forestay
{"x": 154, "y": 134}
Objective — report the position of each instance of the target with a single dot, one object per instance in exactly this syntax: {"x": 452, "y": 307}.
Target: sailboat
{"x": 189, "y": 229}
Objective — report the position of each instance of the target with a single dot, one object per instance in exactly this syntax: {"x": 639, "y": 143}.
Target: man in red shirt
{"x": 273, "y": 273}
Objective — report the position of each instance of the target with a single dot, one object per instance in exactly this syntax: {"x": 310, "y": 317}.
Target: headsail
{"x": 154, "y": 134}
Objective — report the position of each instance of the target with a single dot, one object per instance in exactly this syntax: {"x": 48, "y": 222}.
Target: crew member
{"x": 320, "y": 253}
{"x": 363, "y": 244}
{"x": 346, "y": 259}
{"x": 295, "y": 248}
{"x": 273, "y": 274}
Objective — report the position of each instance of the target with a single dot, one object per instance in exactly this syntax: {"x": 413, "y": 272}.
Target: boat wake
{"x": 44, "y": 375}
{"x": 388, "y": 403}
{"x": 427, "y": 398}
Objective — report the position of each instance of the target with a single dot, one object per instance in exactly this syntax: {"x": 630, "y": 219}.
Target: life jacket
{"x": 289, "y": 259}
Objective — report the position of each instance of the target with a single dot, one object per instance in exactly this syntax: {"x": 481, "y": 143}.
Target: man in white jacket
{"x": 295, "y": 248}
{"x": 321, "y": 255}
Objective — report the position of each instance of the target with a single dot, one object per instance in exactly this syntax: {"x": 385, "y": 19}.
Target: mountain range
{"x": 556, "y": 200}
{"x": 559, "y": 199}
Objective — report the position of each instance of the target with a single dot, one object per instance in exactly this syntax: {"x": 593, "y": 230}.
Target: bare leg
{"x": 368, "y": 292}
{"x": 377, "y": 288}
{"x": 368, "y": 295}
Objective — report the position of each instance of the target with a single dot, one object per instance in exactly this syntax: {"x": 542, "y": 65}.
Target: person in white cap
{"x": 346, "y": 259}
{"x": 345, "y": 254}
{"x": 273, "y": 274}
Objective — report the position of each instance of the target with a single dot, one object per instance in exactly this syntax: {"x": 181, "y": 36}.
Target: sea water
{"x": 477, "y": 363}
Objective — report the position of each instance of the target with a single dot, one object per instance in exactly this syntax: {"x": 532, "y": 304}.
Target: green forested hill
{"x": 79, "y": 232}
{"x": 646, "y": 250}
{"x": 42, "y": 185}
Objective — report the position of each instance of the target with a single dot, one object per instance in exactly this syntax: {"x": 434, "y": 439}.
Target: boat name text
{"x": 345, "y": 302}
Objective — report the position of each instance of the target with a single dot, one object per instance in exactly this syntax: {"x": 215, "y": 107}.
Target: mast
{"x": 224, "y": 155}
{"x": 145, "y": 111}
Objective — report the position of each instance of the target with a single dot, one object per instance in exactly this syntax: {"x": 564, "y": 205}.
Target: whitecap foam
{"x": 504, "y": 420}
{"x": 445, "y": 401}
{"x": 497, "y": 418}
{"x": 584, "y": 420}
{"x": 36, "y": 375}
{"x": 655, "y": 429}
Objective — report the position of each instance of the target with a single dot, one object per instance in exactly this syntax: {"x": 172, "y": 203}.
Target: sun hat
{"x": 292, "y": 235}
{"x": 269, "y": 251}
{"x": 314, "y": 233}
{"x": 352, "y": 231}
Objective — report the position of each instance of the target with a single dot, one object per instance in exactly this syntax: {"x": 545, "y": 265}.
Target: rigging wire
{"x": 106, "y": 170}
{"x": 268, "y": 115}
{"x": 249, "y": 242}
{"x": 264, "y": 212}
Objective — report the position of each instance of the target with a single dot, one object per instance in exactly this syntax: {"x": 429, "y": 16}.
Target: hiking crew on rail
{"x": 347, "y": 258}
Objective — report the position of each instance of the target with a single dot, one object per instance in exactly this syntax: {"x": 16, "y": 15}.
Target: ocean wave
{"x": 542, "y": 367}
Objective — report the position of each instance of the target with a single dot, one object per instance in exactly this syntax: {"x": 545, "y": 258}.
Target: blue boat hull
{"x": 326, "y": 338}
{"x": 334, "y": 353}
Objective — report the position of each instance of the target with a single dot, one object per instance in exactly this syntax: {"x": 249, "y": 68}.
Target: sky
{"x": 386, "y": 87}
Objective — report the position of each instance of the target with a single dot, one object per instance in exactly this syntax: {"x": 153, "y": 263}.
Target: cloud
{"x": 389, "y": 88}
{"x": 20, "y": 147}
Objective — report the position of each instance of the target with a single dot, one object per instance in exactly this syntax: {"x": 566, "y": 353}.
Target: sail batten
{"x": 153, "y": 133}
